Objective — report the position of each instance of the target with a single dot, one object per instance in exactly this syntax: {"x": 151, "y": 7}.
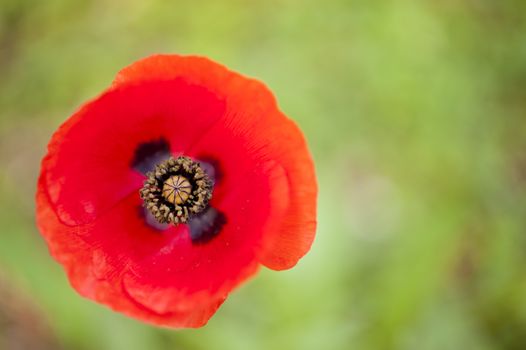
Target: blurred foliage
{"x": 415, "y": 112}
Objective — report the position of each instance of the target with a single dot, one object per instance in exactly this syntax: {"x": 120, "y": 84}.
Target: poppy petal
{"x": 121, "y": 256}
{"x": 253, "y": 114}
{"x": 295, "y": 234}
{"x": 98, "y": 277}
{"x": 269, "y": 150}
{"x": 92, "y": 159}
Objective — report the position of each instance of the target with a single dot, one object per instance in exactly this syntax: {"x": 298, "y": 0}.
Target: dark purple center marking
{"x": 149, "y": 154}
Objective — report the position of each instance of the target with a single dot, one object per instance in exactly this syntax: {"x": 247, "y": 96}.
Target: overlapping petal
{"x": 88, "y": 166}
{"x": 99, "y": 276}
{"x": 263, "y": 131}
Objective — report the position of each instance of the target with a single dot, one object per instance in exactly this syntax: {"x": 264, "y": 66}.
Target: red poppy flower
{"x": 168, "y": 190}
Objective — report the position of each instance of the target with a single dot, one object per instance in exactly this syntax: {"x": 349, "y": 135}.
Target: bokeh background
{"x": 415, "y": 112}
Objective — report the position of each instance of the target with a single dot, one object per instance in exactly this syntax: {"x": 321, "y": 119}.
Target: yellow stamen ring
{"x": 176, "y": 190}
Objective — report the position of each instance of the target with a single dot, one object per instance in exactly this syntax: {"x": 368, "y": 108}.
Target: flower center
{"x": 176, "y": 190}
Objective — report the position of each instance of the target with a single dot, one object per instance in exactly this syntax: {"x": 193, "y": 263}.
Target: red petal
{"x": 294, "y": 235}
{"x": 269, "y": 153}
{"x": 88, "y": 166}
{"x": 252, "y": 135}
{"x": 121, "y": 261}
{"x": 250, "y": 95}
{"x": 98, "y": 275}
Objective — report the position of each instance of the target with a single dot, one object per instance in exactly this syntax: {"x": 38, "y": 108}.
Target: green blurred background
{"x": 415, "y": 112}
